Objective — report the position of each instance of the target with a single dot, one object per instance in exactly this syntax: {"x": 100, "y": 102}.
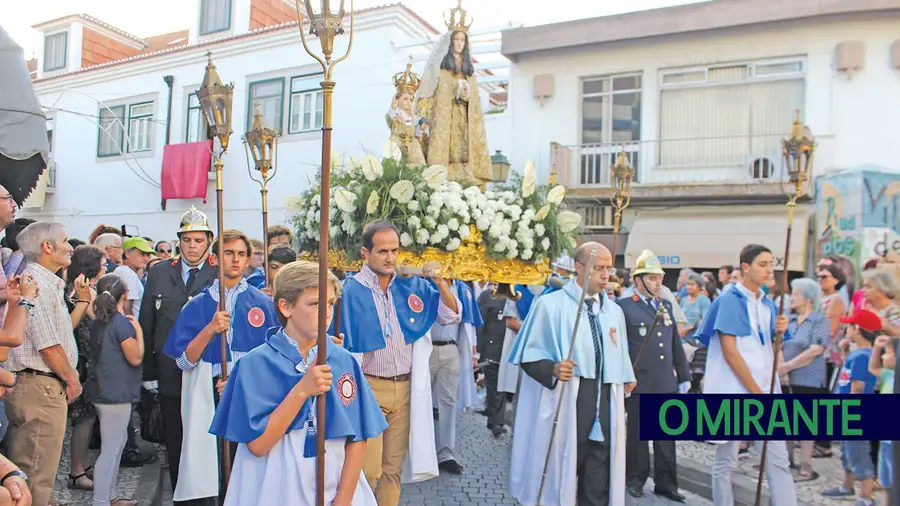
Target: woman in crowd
{"x": 115, "y": 383}
{"x": 90, "y": 262}
{"x": 802, "y": 368}
{"x": 15, "y": 264}
{"x": 831, "y": 280}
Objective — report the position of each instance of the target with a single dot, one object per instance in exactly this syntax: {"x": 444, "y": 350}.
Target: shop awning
{"x": 715, "y": 236}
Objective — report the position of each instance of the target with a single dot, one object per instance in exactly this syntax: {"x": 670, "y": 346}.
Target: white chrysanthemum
{"x": 539, "y": 229}
{"x": 405, "y": 240}
{"x": 568, "y": 221}
{"x": 527, "y": 254}
{"x": 500, "y": 247}
{"x": 464, "y": 232}
{"x": 403, "y": 191}
{"x": 453, "y": 244}
{"x": 413, "y": 205}
{"x": 414, "y": 222}
{"x": 372, "y": 204}
{"x": 391, "y": 150}
{"x": 444, "y": 230}
{"x": 429, "y": 222}
{"x": 422, "y": 236}
{"x": 512, "y": 254}
{"x": 372, "y": 168}
{"x": 556, "y": 195}
{"x": 482, "y": 224}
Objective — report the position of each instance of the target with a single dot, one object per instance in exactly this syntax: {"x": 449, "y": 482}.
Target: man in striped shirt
{"x": 384, "y": 317}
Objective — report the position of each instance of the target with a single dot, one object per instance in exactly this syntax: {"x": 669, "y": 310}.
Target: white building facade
{"x": 700, "y": 97}
{"x": 111, "y": 121}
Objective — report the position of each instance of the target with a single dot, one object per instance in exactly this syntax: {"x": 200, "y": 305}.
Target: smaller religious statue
{"x": 407, "y": 130}
{"x": 450, "y": 102}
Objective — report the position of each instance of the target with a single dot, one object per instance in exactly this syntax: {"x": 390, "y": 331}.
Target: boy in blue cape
{"x": 738, "y": 331}
{"x": 587, "y": 457}
{"x": 275, "y": 427}
{"x": 195, "y": 344}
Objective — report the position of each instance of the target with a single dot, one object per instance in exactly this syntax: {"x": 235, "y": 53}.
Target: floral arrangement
{"x": 518, "y": 220}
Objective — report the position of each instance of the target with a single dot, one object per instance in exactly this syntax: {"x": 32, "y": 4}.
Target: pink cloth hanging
{"x": 185, "y": 169}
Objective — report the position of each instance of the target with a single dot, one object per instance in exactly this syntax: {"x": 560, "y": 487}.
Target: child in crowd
{"x": 275, "y": 427}
{"x": 115, "y": 382}
{"x": 855, "y": 379}
{"x": 882, "y": 365}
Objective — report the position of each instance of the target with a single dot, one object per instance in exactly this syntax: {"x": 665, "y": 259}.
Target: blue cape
{"x": 351, "y": 410}
{"x": 728, "y": 315}
{"x": 416, "y": 302}
{"x": 246, "y": 335}
{"x": 523, "y": 305}
{"x": 257, "y": 279}
{"x": 471, "y": 314}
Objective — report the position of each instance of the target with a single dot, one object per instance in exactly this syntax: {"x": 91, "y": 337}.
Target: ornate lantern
{"x": 325, "y": 21}
{"x": 798, "y": 152}
{"x": 622, "y": 176}
{"x": 215, "y": 102}
{"x": 260, "y": 142}
{"x": 500, "y": 164}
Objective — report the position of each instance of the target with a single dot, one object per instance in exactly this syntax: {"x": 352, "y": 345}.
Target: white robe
{"x": 508, "y": 376}
{"x": 198, "y": 469}
{"x": 468, "y": 392}
{"x": 284, "y": 473}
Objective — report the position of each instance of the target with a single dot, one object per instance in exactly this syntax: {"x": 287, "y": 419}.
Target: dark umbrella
{"x": 24, "y": 148}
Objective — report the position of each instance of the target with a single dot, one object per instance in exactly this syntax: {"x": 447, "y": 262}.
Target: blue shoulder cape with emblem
{"x": 470, "y": 312}
{"x": 523, "y": 305}
{"x": 728, "y": 315}
{"x": 351, "y": 410}
{"x": 254, "y": 314}
{"x": 416, "y": 302}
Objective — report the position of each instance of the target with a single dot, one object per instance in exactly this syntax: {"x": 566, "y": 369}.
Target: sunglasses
{"x": 163, "y": 250}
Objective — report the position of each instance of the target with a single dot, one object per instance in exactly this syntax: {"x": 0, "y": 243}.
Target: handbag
{"x": 151, "y": 417}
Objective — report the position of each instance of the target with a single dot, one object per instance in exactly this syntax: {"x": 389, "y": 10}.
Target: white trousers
{"x": 444, "y": 364}
{"x": 778, "y": 474}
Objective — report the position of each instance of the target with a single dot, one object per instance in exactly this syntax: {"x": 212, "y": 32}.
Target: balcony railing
{"x": 727, "y": 159}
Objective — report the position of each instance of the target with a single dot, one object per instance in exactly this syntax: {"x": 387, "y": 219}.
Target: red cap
{"x": 865, "y": 319}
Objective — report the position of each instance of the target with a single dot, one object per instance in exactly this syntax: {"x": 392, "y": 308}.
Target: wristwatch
{"x": 17, "y": 472}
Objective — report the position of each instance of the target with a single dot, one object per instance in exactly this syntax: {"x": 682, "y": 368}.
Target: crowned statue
{"x": 450, "y": 104}
{"x": 407, "y": 130}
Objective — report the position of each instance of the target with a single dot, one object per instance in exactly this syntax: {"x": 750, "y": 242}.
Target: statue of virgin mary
{"x": 449, "y": 101}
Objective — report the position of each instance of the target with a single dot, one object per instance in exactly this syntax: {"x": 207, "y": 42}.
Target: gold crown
{"x": 407, "y": 81}
{"x": 457, "y": 19}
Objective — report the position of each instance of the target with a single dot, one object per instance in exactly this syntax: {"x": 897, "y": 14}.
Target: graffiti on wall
{"x": 881, "y": 214}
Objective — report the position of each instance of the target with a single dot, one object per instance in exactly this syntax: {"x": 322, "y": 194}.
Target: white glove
{"x": 684, "y": 386}
{"x": 150, "y": 386}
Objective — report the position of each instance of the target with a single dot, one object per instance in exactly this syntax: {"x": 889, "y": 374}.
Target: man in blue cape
{"x": 738, "y": 331}
{"x": 587, "y": 456}
{"x": 195, "y": 344}
{"x": 452, "y": 373}
{"x": 384, "y": 318}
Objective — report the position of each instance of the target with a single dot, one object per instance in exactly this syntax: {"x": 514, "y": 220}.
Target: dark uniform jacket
{"x": 491, "y": 334}
{"x": 663, "y": 354}
{"x": 164, "y": 295}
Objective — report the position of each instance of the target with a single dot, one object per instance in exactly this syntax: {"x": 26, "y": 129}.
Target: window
{"x": 611, "y": 109}
{"x": 215, "y": 16}
{"x": 112, "y": 131}
{"x": 55, "y": 51}
{"x": 269, "y": 96}
{"x": 306, "y": 103}
{"x": 140, "y": 127}
{"x": 196, "y": 121}
{"x": 725, "y": 116}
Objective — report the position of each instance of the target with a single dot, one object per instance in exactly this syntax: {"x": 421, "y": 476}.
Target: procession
{"x": 389, "y": 314}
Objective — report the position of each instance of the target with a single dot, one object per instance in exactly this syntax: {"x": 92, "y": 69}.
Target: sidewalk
{"x": 140, "y": 483}
{"x": 695, "y": 461}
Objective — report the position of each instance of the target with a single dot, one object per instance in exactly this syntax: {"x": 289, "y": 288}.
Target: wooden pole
{"x": 220, "y": 224}
{"x": 264, "y": 192}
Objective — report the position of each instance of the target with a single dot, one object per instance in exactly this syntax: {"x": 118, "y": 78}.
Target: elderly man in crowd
{"x": 111, "y": 244}
{"x": 45, "y": 363}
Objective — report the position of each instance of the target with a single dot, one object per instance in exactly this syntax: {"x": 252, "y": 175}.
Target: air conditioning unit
{"x": 764, "y": 167}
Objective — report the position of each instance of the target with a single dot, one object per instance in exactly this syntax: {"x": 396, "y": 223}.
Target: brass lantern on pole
{"x": 797, "y": 151}
{"x": 215, "y": 101}
{"x": 500, "y": 164}
{"x": 325, "y": 21}
{"x": 260, "y": 143}
{"x": 621, "y": 177}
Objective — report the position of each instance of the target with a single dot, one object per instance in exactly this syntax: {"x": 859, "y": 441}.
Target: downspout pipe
{"x": 170, "y": 81}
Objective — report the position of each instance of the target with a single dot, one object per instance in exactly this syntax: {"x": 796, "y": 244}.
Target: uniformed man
{"x": 490, "y": 349}
{"x": 661, "y": 367}
{"x": 169, "y": 286}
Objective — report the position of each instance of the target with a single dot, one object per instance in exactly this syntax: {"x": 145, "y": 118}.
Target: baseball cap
{"x": 865, "y": 319}
{"x": 138, "y": 243}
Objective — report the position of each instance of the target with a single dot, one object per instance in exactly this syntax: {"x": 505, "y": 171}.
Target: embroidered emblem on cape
{"x": 256, "y": 317}
{"x": 346, "y": 389}
{"x": 158, "y": 304}
{"x": 612, "y": 335}
{"x": 415, "y": 303}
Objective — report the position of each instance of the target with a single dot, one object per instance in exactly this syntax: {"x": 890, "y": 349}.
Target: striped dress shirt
{"x": 395, "y": 358}
{"x": 231, "y": 295}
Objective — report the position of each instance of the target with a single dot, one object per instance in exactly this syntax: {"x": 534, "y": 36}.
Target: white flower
{"x": 435, "y": 174}
{"x": 568, "y": 221}
{"x": 403, "y": 191}
{"x": 453, "y": 244}
{"x": 422, "y": 236}
{"x": 372, "y": 204}
{"x": 464, "y": 232}
{"x": 528, "y": 181}
{"x": 527, "y": 254}
{"x": 413, "y": 205}
{"x": 444, "y": 230}
{"x": 539, "y": 229}
{"x": 372, "y": 168}
{"x": 337, "y": 161}
{"x": 414, "y": 222}
{"x": 542, "y": 213}
{"x": 430, "y": 222}
{"x": 335, "y": 230}
{"x": 546, "y": 243}
{"x": 483, "y": 224}
{"x": 512, "y": 254}
{"x": 556, "y": 195}
{"x": 405, "y": 240}
{"x": 391, "y": 150}
{"x": 512, "y": 244}
{"x": 344, "y": 200}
